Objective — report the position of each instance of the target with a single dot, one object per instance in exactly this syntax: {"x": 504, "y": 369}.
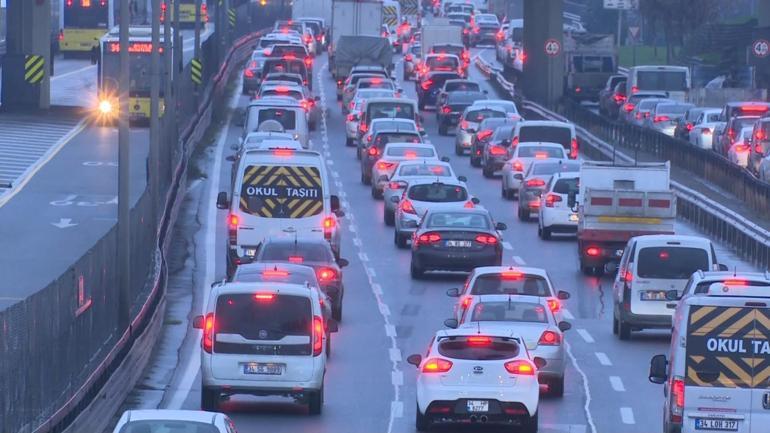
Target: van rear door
{"x": 760, "y": 395}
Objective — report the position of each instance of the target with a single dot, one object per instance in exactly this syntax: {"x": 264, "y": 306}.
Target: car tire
{"x": 389, "y": 217}
{"x": 504, "y": 192}
{"x": 421, "y": 422}
{"x": 522, "y": 215}
{"x": 556, "y": 387}
{"x": 458, "y": 150}
{"x": 475, "y": 160}
{"x": 545, "y": 234}
{"x": 337, "y": 311}
{"x": 339, "y": 97}
{"x": 312, "y": 126}
{"x": 348, "y": 141}
{"x": 315, "y": 402}
{"x": 376, "y": 194}
{"x": 210, "y": 399}
{"x": 399, "y": 240}
{"x": 530, "y": 425}
{"x": 328, "y": 346}
{"x": 615, "y": 325}
{"x": 358, "y": 153}
{"x": 624, "y": 330}
{"x": 416, "y": 271}
{"x": 442, "y": 129}
{"x": 420, "y": 104}
{"x": 366, "y": 180}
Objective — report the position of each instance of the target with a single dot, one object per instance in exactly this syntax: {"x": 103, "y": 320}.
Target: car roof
{"x": 415, "y": 145}
{"x": 651, "y": 240}
{"x": 480, "y": 328}
{"x": 478, "y": 210}
{"x": 395, "y": 130}
{"x": 432, "y": 180}
{"x": 394, "y": 100}
{"x": 539, "y": 144}
{"x": 485, "y": 270}
{"x": 554, "y": 123}
{"x": 168, "y": 414}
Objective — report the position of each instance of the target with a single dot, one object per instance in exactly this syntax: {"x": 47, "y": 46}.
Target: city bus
{"x": 186, "y": 13}
{"x": 140, "y": 50}
{"x": 83, "y": 23}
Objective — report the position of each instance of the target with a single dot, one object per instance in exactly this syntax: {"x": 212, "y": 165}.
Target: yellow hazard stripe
{"x": 735, "y": 369}
{"x": 713, "y": 323}
{"x": 34, "y": 68}
{"x": 300, "y": 210}
{"x": 700, "y": 313}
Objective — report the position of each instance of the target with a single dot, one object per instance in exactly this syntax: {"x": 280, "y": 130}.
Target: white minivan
{"x": 716, "y": 373}
{"x": 652, "y": 266}
{"x": 276, "y": 191}
{"x": 286, "y": 111}
{"x": 263, "y": 339}
{"x": 674, "y": 81}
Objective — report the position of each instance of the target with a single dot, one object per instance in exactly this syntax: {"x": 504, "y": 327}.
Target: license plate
{"x": 716, "y": 424}
{"x": 458, "y": 244}
{"x": 262, "y": 368}
{"x": 250, "y": 252}
{"x": 573, "y": 217}
{"x": 478, "y": 406}
{"x": 619, "y": 253}
{"x": 653, "y": 295}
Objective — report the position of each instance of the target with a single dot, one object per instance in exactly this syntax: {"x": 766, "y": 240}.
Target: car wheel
{"x": 416, "y": 271}
{"x": 328, "y": 346}
{"x": 475, "y": 160}
{"x": 421, "y": 422}
{"x": 399, "y": 239}
{"x": 420, "y": 104}
{"x": 545, "y": 234}
{"x": 348, "y": 141}
{"x": 315, "y": 401}
{"x": 209, "y": 399}
{"x": 615, "y": 325}
{"x": 504, "y": 191}
{"x": 458, "y": 150}
{"x": 376, "y": 194}
{"x": 337, "y": 311}
{"x": 523, "y": 216}
{"x": 442, "y": 129}
{"x": 390, "y": 218}
{"x": 530, "y": 425}
{"x": 556, "y": 387}
{"x": 624, "y": 330}
{"x": 312, "y": 126}
{"x": 339, "y": 97}
{"x": 366, "y": 180}
{"x": 358, "y": 153}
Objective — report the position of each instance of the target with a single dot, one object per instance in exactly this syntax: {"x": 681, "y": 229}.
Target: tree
{"x": 680, "y": 18}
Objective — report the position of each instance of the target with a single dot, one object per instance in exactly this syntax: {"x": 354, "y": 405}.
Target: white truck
{"x": 440, "y": 32}
{"x": 616, "y": 203}
{"x": 312, "y": 9}
{"x": 355, "y": 18}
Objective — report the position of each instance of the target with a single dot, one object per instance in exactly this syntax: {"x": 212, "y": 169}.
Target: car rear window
{"x": 671, "y": 262}
{"x": 411, "y": 152}
{"x": 286, "y": 117}
{"x": 502, "y": 133}
{"x": 509, "y": 311}
{"x": 485, "y": 113}
{"x": 288, "y": 66}
{"x": 462, "y": 97}
{"x": 393, "y": 110}
{"x": 672, "y": 109}
{"x": 295, "y": 94}
{"x": 295, "y": 253}
{"x": 510, "y": 283}
{"x": 462, "y": 220}
{"x": 550, "y": 134}
{"x": 442, "y": 62}
{"x": 551, "y": 168}
{"x": 380, "y": 125}
{"x": 424, "y": 170}
{"x": 164, "y": 426}
{"x": 284, "y": 50}
{"x": 540, "y": 152}
{"x": 375, "y": 84}
{"x": 475, "y": 348}
{"x": 704, "y": 287}
{"x": 438, "y": 193}
{"x": 661, "y": 80}
{"x": 446, "y": 49}
{"x": 396, "y": 137}
{"x": 246, "y": 315}
{"x": 273, "y": 274}
{"x": 564, "y": 186}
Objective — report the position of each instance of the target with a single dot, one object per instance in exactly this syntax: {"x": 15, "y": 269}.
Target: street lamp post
{"x": 124, "y": 233}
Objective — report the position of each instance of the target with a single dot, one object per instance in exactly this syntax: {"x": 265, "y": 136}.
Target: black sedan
{"x": 454, "y": 240}
{"x": 429, "y": 86}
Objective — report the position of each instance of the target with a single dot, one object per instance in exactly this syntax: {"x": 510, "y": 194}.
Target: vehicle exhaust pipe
{"x": 473, "y": 418}
{"x": 483, "y": 419}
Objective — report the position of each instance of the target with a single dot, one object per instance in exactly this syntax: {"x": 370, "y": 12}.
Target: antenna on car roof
{"x": 735, "y": 271}
{"x": 509, "y": 302}
{"x": 478, "y": 327}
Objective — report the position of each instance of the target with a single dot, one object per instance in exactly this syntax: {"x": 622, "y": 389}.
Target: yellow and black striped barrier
{"x": 196, "y": 73}
{"x": 390, "y": 15}
{"x": 282, "y": 191}
{"x": 231, "y": 17}
{"x": 34, "y": 69}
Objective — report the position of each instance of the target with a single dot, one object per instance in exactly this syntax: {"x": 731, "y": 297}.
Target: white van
{"x": 652, "y": 266}
{"x": 263, "y": 339}
{"x": 673, "y": 80}
{"x": 276, "y": 191}
{"x": 716, "y": 374}
{"x": 286, "y": 111}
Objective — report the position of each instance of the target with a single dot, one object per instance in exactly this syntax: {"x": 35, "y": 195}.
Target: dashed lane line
{"x": 519, "y": 261}
{"x": 586, "y": 336}
{"x": 603, "y": 359}
{"x": 627, "y": 415}
{"x": 507, "y": 245}
{"x": 617, "y": 384}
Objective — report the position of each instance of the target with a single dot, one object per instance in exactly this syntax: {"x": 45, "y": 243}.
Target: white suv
{"x": 557, "y": 214}
{"x": 266, "y": 339}
{"x": 481, "y": 374}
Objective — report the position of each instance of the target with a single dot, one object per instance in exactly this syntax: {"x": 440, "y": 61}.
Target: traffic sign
{"x": 552, "y": 47}
{"x": 621, "y": 4}
{"x": 633, "y": 33}
{"x": 760, "y": 48}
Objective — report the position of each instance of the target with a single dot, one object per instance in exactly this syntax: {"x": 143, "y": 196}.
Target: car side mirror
{"x": 658, "y": 366}
{"x": 462, "y": 178}
{"x": 565, "y": 326}
{"x": 539, "y": 362}
{"x": 198, "y": 322}
{"x": 332, "y": 325}
{"x": 563, "y": 295}
{"x": 414, "y": 360}
{"x": 222, "y": 201}
{"x": 395, "y": 199}
{"x": 444, "y": 159}
{"x": 453, "y": 292}
{"x": 342, "y": 262}
{"x": 451, "y": 323}
{"x": 501, "y": 227}
{"x": 672, "y": 295}
{"x": 475, "y": 200}
{"x": 572, "y": 199}
{"x": 518, "y": 176}
{"x": 722, "y": 267}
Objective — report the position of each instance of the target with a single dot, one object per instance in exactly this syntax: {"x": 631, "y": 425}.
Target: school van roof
{"x": 735, "y": 289}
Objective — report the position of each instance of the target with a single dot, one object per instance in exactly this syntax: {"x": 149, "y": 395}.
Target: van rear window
{"x": 671, "y": 262}
{"x": 564, "y": 186}
{"x": 661, "y": 80}
{"x": 478, "y": 348}
{"x": 510, "y": 311}
{"x": 510, "y": 283}
{"x": 282, "y": 191}
{"x": 265, "y": 318}
{"x": 285, "y": 116}
{"x": 546, "y": 134}
{"x": 391, "y": 110}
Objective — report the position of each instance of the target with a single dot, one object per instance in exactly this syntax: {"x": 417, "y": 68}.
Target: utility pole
{"x": 153, "y": 167}
{"x": 124, "y": 233}
{"x": 197, "y": 54}
{"x": 178, "y": 50}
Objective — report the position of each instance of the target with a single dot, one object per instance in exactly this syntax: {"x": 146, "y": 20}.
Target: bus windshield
{"x": 86, "y": 14}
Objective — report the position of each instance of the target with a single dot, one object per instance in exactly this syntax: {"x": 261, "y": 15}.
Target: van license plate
{"x": 478, "y": 406}
{"x": 716, "y": 424}
{"x": 459, "y": 244}
{"x": 653, "y": 295}
{"x": 262, "y": 368}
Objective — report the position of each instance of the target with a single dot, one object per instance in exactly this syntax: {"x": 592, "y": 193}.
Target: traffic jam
{"x": 388, "y": 151}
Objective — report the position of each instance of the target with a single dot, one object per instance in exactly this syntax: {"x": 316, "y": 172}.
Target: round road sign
{"x": 761, "y": 48}
{"x": 552, "y": 47}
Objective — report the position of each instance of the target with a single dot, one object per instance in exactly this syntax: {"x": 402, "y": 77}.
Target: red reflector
{"x": 601, "y": 201}
{"x": 630, "y": 202}
{"x": 593, "y": 251}
{"x": 659, "y": 203}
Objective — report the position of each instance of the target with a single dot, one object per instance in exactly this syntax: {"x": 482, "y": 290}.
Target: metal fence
{"x": 60, "y": 346}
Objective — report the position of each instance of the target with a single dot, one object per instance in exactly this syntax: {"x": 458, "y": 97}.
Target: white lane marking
{"x": 603, "y": 359}
{"x": 396, "y": 405}
{"x": 193, "y": 366}
{"x": 617, "y": 384}
{"x": 364, "y": 258}
{"x": 76, "y": 71}
{"x": 586, "y": 336}
{"x": 519, "y": 261}
{"x": 627, "y": 415}
{"x": 586, "y": 389}
{"x": 568, "y": 315}
{"x": 507, "y": 245}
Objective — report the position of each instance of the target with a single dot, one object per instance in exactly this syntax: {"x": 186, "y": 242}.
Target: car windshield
{"x": 300, "y": 252}
{"x": 438, "y": 193}
{"x": 509, "y": 311}
{"x": 671, "y": 262}
{"x": 475, "y": 348}
{"x": 424, "y": 170}
{"x": 411, "y": 152}
{"x": 510, "y": 282}
{"x": 540, "y": 152}
{"x": 462, "y": 220}
{"x": 167, "y": 426}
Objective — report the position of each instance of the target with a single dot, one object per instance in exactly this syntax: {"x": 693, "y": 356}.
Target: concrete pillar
{"x": 29, "y": 33}
{"x": 543, "y": 77}
{"x": 764, "y": 13}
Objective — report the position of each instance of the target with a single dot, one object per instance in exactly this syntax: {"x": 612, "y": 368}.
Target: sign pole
{"x": 124, "y": 233}
{"x": 153, "y": 169}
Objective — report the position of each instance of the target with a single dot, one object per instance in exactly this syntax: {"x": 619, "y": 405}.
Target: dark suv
{"x": 448, "y": 115}
{"x": 429, "y": 86}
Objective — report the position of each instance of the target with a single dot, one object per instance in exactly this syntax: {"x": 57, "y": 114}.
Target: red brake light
{"x": 233, "y": 221}
{"x": 248, "y": 73}
{"x": 426, "y": 84}
{"x": 511, "y": 275}
{"x": 274, "y": 273}
{"x": 483, "y": 135}
{"x": 634, "y": 89}
{"x": 664, "y": 118}
{"x": 554, "y": 305}
{"x": 408, "y": 207}
{"x": 497, "y": 150}
{"x": 549, "y": 338}
{"x": 518, "y": 166}
{"x": 754, "y": 108}
{"x": 628, "y": 277}
{"x": 618, "y": 98}
{"x": 408, "y": 58}
{"x": 520, "y": 367}
{"x": 688, "y": 126}
{"x": 466, "y": 303}
{"x": 760, "y": 135}
{"x": 373, "y": 151}
{"x": 326, "y": 274}
{"x": 486, "y": 239}
{"x": 629, "y": 107}
{"x": 469, "y": 205}
{"x": 208, "y": 332}
{"x": 429, "y": 238}
{"x": 446, "y": 110}
{"x": 283, "y": 152}
{"x": 296, "y": 259}
{"x": 61, "y": 35}
{"x": 550, "y": 199}
{"x": 535, "y": 183}
{"x": 318, "y": 335}
{"x": 478, "y": 340}
{"x": 593, "y": 251}
{"x": 677, "y": 398}
{"x": 436, "y": 365}
{"x": 758, "y": 149}
{"x": 351, "y": 117}
{"x": 329, "y": 223}
{"x": 264, "y": 297}
{"x": 383, "y": 165}
{"x": 573, "y": 149}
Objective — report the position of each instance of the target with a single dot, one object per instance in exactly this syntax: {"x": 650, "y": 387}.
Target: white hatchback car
{"x": 163, "y": 420}
{"x": 482, "y": 374}
{"x": 411, "y": 171}
{"x": 523, "y": 155}
{"x": 556, "y": 215}
{"x": 392, "y": 155}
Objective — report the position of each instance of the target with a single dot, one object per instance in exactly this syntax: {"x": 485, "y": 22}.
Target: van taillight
{"x": 318, "y": 335}
{"x": 208, "y": 333}
{"x": 232, "y": 228}
{"x": 328, "y": 225}
{"x": 677, "y": 400}
{"x": 573, "y": 149}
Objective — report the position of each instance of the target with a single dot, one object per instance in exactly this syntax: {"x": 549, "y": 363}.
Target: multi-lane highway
{"x": 388, "y": 315}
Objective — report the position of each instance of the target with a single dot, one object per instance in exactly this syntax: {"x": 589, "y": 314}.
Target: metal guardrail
{"x": 751, "y": 241}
